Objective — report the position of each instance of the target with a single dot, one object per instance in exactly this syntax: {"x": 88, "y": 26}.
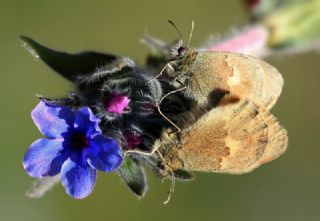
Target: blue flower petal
{"x": 78, "y": 180}
{"x": 86, "y": 121}
{"x": 44, "y": 158}
{"x": 103, "y": 154}
{"x": 53, "y": 121}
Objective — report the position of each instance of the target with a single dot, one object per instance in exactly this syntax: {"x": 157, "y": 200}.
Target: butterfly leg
{"x": 168, "y": 65}
{"x": 160, "y": 112}
{"x": 165, "y": 117}
{"x": 173, "y": 179}
{"x": 171, "y": 190}
{"x": 165, "y": 68}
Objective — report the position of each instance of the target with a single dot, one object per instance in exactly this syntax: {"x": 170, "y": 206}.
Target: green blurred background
{"x": 286, "y": 189}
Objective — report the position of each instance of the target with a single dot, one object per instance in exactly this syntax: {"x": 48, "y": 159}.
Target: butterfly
{"x": 229, "y": 128}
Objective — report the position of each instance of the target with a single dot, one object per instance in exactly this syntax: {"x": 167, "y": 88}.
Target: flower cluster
{"x": 112, "y": 109}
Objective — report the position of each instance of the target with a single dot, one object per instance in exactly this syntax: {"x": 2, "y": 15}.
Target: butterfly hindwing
{"x": 233, "y": 138}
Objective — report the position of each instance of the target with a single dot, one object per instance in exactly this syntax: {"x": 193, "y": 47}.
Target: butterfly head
{"x": 179, "y": 49}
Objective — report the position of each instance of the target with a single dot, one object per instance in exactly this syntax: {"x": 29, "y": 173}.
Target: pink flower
{"x": 132, "y": 140}
{"x": 116, "y": 103}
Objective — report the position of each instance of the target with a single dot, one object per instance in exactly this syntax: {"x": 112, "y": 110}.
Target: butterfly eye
{"x": 177, "y": 50}
{"x": 181, "y": 51}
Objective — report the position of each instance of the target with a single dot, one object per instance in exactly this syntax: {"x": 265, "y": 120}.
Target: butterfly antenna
{"x": 175, "y": 27}
{"x": 191, "y": 32}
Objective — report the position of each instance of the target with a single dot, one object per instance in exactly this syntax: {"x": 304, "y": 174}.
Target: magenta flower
{"x": 133, "y": 140}
{"x": 116, "y": 103}
{"x": 74, "y": 148}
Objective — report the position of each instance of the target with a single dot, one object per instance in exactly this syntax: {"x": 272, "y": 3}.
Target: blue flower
{"x": 74, "y": 147}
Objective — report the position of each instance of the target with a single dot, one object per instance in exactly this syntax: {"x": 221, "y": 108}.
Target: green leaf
{"x": 183, "y": 175}
{"x": 134, "y": 176}
{"x": 68, "y": 65}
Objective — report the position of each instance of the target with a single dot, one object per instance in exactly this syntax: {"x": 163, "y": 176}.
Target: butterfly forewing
{"x": 240, "y": 75}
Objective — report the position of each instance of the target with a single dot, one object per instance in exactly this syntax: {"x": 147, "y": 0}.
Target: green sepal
{"x": 134, "y": 176}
